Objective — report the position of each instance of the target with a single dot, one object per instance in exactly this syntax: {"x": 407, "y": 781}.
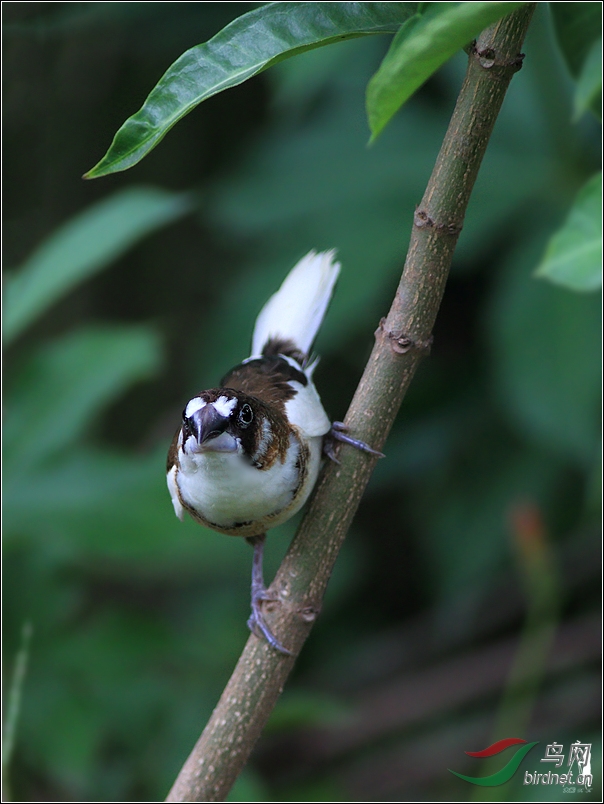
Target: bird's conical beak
{"x": 206, "y": 423}
{"x": 208, "y": 428}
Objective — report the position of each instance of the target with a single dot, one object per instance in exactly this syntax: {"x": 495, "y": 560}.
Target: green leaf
{"x": 425, "y": 42}
{"x": 589, "y": 84}
{"x": 574, "y": 255}
{"x": 578, "y": 26}
{"x": 546, "y": 358}
{"x": 82, "y": 247}
{"x": 66, "y": 384}
{"x": 13, "y": 708}
{"x": 246, "y": 47}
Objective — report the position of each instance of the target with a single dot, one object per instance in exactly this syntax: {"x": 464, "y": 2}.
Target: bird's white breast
{"x": 226, "y": 490}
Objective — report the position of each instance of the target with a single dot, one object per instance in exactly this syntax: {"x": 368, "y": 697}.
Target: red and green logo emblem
{"x": 508, "y": 770}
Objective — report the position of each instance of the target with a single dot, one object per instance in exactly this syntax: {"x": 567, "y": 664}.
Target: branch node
{"x": 309, "y": 614}
{"x": 422, "y": 220}
{"x": 487, "y": 58}
{"x": 401, "y": 342}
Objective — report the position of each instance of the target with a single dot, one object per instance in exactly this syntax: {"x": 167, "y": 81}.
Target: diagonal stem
{"x": 402, "y": 339}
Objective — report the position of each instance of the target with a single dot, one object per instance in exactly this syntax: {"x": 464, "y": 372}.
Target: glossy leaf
{"x": 246, "y": 47}
{"x": 83, "y": 246}
{"x": 589, "y": 83}
{"x": 574, "y": 255}
{"x": 425, "y": 42}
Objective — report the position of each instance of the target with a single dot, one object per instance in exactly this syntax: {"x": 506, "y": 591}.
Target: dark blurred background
{"x": 465, "y": 604}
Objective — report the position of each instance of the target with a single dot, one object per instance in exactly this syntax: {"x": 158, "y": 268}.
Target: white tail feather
{"x": 296, "y": 310}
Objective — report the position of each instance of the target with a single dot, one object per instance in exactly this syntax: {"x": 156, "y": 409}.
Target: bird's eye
{"x": 246, "y": 415}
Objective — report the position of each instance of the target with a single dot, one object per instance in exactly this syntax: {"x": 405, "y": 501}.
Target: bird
{"x": 248, "y": 452}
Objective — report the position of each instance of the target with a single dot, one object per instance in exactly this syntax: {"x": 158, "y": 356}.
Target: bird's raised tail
{"x": 294, "y": 313}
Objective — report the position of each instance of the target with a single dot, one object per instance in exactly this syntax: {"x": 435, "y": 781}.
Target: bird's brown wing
{"x": 267, "y": 378}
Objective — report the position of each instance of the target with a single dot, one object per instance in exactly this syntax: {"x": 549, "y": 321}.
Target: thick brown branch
{"x": 402, "y": 339}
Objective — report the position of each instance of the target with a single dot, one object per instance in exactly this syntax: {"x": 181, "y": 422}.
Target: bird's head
{"x": 223, "y": 420}
{"x": 219, "y": 420}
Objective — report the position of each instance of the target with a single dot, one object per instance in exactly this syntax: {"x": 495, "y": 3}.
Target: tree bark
{"x": 402, "y": 339}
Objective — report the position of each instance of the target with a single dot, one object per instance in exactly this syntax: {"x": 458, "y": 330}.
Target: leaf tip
{"x": 93, "y": 173}
{"x": 375, "y": 129}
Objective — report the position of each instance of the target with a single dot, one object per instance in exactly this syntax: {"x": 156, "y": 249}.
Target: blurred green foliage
{"x": 138, "y": 618}
{"x": 574, "y": 255}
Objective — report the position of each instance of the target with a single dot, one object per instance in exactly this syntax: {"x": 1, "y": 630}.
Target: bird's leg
{"x": 338, "y": 433}
{"x": 256, "y": 622}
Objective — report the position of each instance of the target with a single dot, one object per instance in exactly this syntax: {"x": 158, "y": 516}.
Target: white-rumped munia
{"x": 247, "y": 453}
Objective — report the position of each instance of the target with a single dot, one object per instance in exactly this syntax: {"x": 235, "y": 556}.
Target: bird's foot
{"x": 257, "y": 624}
{"x": 339, "y": 432}
{"x": 260, "y": 595}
